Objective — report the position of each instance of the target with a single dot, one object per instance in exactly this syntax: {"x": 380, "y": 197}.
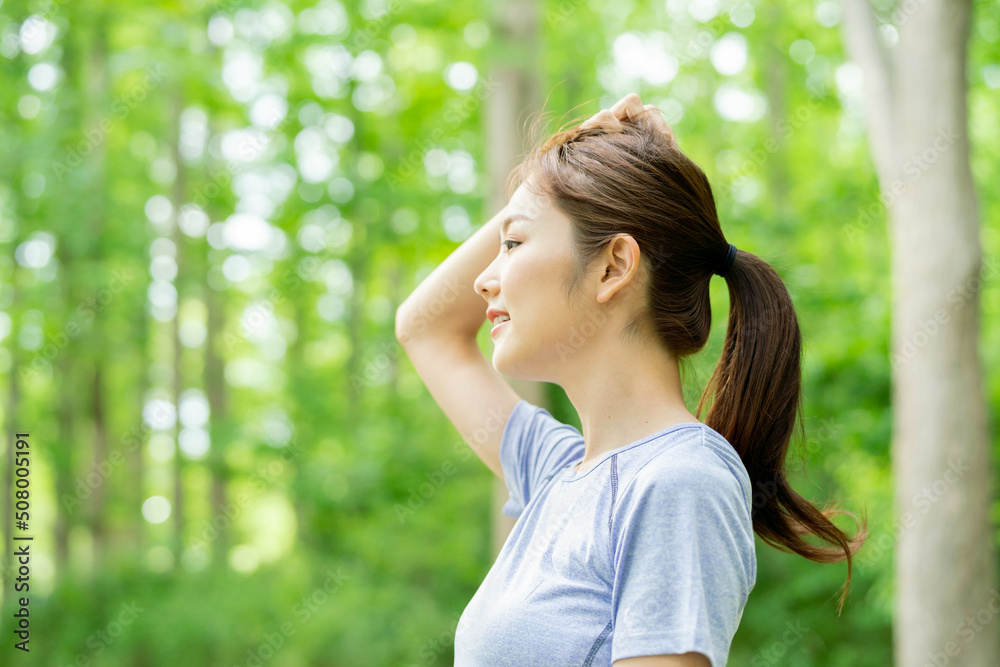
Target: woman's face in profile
{"x": 528, "y": 280}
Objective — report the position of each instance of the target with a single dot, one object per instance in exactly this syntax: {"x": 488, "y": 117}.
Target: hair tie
{"x": 727, "y": 262}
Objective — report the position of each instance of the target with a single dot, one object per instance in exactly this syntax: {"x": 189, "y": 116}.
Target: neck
{"x": 624, "y": 393}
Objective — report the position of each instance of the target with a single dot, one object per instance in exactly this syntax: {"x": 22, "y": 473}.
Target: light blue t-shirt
{"x": 648, "y": 552}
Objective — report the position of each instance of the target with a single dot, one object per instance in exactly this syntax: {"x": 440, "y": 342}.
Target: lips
{"x": 493, "y": 313}
{"x": 497, "y": 327}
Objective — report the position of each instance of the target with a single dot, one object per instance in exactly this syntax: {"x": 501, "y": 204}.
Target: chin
{"x": 518, "y": 369}
{"x": 504, "y": 365}
{"x": 505, "y": 368}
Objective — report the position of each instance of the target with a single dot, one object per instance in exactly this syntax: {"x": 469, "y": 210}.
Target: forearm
{"x": 446, "y": 303}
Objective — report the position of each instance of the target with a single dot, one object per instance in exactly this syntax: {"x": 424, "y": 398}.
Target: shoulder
{"x": 689, "y": 502}
{"x": 696, "y": 467}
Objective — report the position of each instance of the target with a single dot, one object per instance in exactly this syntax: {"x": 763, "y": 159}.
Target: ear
{"x": 619, "y": 263}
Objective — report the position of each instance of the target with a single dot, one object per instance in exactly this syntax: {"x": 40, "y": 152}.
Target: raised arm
{"x": 437, "y": 326}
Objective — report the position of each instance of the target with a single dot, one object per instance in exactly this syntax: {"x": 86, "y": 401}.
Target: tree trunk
{"x": 63, "y": 457}
{"x": 98, "y": 501}
{"x": 177, "y": 196}
{"x": 215, "y": 383}
{"x": 97, "y": 93}
{"x": 358, "y": 261}
{"x": 776, "y": 76}
{"x": 516, "y": 91}
{"x": 945, "y": 556}
{"x": 136, "y": 441}
{"x": 299, "y": 372}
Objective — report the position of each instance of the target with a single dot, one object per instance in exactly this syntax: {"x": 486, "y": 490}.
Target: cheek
{"x": 533, "y": 287}
{"x": 541, "y": 301}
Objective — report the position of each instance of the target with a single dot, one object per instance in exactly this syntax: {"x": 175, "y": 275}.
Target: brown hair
{"x": 638, "y": 182}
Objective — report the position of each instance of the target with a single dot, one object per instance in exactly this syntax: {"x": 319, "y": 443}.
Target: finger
{"x": 628, "y": 107}
{"x": 659, "y": 122}
{"x": 656, "y": 116}
{"x": 603, "y": 119}
{"x": 607, "y": 121}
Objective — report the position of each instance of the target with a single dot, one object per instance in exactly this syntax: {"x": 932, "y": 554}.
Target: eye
{"x": 504, "y": 243}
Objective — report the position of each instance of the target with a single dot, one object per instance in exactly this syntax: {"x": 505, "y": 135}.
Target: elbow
{"x": 406, "y": 324}
{"x": 401, "y": 334}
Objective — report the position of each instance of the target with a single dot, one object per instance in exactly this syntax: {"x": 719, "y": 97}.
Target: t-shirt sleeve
{"x": 534, "y": 445}
{"x": 683, "y": 554}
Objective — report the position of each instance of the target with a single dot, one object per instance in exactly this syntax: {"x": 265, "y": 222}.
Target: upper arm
{"x": 674, "y": 660}
{"x": 471, "y": 393}
{"x": 683, "y": 556}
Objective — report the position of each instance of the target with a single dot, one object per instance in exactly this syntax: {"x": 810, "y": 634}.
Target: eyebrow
{"x": 511, "y": 218}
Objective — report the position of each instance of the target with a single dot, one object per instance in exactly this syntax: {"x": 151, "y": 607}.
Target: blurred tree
{"x": 946, "y": 557}
{"x": 514, "y": 89}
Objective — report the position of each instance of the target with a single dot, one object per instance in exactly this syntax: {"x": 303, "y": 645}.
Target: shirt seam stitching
{"x": 636, "y": 474}
{"x": 611, "y": 514}
{"x": 636, "y": 444}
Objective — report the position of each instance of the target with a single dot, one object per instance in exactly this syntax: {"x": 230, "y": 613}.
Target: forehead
{"x": 535, "y": 214}
{"x": 526, "y": 202}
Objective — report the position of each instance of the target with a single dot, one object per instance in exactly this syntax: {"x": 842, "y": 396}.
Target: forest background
{"x": 210, "y": 213}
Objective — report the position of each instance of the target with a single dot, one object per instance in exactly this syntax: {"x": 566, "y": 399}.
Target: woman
{"x": 634, "y": 541}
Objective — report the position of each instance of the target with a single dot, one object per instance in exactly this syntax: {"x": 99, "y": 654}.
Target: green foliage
{"x": 355, "y": 524}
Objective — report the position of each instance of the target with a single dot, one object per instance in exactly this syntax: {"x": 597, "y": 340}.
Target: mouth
{"x": 495, "y": 315}
{"x": 499, "y": 323}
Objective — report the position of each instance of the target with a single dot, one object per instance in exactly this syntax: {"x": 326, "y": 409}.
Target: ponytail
{"x": 757, "y": 388}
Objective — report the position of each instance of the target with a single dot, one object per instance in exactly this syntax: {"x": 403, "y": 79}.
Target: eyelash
{"x": 504, "y": 243}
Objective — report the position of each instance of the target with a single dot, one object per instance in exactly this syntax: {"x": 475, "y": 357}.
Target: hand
{"x": 628, "y": 108}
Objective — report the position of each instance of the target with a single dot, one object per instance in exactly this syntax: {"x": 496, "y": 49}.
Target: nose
{"x": 487, "y": 284}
